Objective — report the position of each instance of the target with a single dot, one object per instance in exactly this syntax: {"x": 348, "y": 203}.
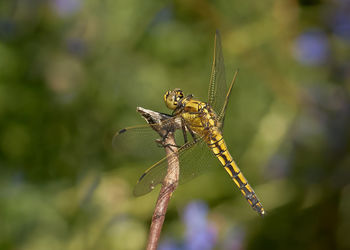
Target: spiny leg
{"x": 160, "y": 142}
{"x": 192, "y": 134}
{"x": 183, "y": 126}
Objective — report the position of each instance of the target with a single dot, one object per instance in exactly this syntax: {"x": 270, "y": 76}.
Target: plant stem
{"x": 171, "y": 179}
{"x": 168, "y": 187}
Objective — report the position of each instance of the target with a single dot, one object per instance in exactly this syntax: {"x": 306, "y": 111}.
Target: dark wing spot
{"x": 122, "y": 131}
{"x": 143, "y": 175}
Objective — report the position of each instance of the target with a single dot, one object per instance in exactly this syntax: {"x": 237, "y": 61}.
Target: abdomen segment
{"x": 218, "y": 146}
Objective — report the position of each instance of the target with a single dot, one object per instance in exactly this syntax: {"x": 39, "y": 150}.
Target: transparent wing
{"x": 221, "y": 115}
{"x": 217, "y": 86}
{"x": 193, "y": 159}
{"x": 141, "y": 141}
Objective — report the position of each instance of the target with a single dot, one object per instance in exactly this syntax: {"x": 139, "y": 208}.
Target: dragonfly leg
{"x": 163, "y": 145}
{"x": 183, "y": 126}
{"x": 160, "y": 142}
{"x": 192, "y": 134}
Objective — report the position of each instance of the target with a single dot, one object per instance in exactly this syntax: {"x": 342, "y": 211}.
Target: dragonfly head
{"x": 172, "y": 98}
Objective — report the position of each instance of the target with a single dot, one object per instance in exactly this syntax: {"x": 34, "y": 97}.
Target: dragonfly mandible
{"x": 202, "y": 124}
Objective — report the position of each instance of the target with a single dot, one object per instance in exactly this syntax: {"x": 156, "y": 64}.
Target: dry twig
{"x": 171, "y": 179}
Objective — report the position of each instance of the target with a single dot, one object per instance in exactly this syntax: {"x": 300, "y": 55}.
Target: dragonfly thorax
{"x": 172, "y": 98}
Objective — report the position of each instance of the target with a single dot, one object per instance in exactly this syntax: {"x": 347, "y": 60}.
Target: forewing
{"x": 141, "y": 141}
{"x": 221, "y": 115}
{"x": 217, "y": 86}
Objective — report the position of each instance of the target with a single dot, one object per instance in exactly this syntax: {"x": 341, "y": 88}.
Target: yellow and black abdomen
{"x": 217, "y": 144}
{"x": 202, "y": 120}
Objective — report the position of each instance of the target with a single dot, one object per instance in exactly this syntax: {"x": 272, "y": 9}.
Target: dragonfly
{"x": 202, "y": 130}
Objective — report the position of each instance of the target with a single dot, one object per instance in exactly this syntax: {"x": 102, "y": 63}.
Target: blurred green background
{"x": 72, "y": 73}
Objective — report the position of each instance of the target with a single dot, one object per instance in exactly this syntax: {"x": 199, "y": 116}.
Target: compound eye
{"x": 166, "y": 96}
{"x": 170, "y": 99}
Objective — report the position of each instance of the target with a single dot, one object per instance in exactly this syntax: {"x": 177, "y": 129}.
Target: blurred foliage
{"x": 72, "y": 73}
